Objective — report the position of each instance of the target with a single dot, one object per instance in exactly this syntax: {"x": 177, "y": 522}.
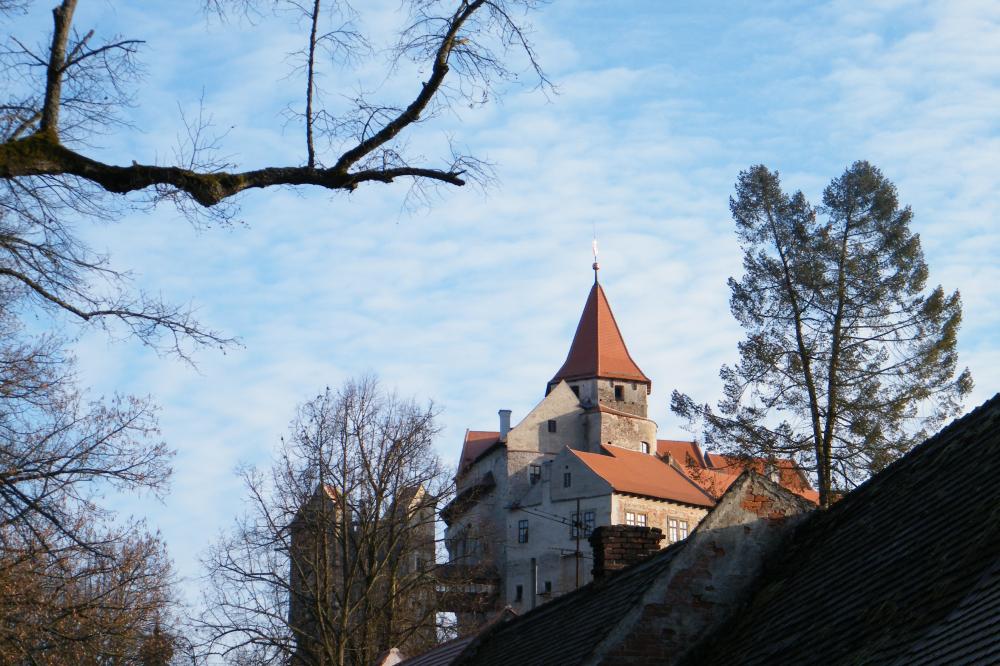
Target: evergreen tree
{"x": 848, "y": 359}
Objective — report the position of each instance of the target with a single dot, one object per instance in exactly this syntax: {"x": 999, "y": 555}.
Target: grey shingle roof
{"x": 905, "y": 569}
{"x": 567, "y": 629}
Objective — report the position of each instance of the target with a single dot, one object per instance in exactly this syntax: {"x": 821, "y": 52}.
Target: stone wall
{"x": 658, "y": 513}
{"x": 707, "y": 580}
{"x": 622, "y": 430}
{"x": 635, "y": 396}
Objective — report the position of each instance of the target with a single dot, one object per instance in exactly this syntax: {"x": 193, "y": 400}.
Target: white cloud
{"x": 474, "y": 303}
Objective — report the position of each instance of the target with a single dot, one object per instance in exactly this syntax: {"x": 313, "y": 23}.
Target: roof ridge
{"x": 940, "y": 438}
{"x": 593, "y": 587}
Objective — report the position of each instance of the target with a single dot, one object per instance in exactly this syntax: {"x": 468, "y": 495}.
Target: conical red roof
{"x": 598, "y": 349}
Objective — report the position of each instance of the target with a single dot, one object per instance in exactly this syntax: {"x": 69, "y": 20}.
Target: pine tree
{"x": 848, "y": 359}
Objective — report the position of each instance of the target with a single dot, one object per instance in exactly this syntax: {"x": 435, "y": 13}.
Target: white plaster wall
{"x": 550, "y": 541}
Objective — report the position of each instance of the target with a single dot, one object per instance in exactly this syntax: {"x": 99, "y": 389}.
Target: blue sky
{"x": 473, "y": 302}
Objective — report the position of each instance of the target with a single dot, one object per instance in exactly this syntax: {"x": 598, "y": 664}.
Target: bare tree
{"x": 463, "y": 43}
{"x": 59, "y": 96}
{"x": 66, "y": 604}
{"x": 335, "y": 561}
{"x": 77, "y": 584}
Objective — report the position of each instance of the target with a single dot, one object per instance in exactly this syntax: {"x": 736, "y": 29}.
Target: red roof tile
{"x": 723, "y": 470}
{"x": 642, "y": 474}
{"x": 684, "y": 452}
{"x": 476, "y": 442}
{"x": 598, "y": 349}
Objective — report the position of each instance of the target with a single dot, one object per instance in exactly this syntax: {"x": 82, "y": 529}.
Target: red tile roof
{"x": 598, "y": 349}
{"x": 723, "y": 470}
{"x": 642, "y": 474}
{"x": 476, "y": 442}
{"x": 684, "y": 452}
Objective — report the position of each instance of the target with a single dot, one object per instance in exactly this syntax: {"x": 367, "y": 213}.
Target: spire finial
{"x": 597, "y": 266}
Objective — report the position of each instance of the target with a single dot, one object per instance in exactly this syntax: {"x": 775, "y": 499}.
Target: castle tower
{"x": 609, "y": 383}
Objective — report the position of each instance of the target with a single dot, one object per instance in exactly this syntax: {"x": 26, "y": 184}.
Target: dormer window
{"x": 619, "y": 393}
{"x": 552, "y": 425}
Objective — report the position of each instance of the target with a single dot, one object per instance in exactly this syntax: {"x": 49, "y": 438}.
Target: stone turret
{"x": 608, "y": 382}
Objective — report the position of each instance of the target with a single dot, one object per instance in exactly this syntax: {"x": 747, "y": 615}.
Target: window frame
{"x": 522, "y": 531}
{"x": 553, "y": 425}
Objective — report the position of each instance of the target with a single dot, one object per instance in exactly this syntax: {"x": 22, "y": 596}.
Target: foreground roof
{"x": 642, "y": 474}
{"x": 567, "y": 629}
{"x": 905, "y": 569}
{"x": 598, "y": 349}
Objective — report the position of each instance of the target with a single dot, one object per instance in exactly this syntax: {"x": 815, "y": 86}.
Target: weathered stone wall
{"x": 707, "y": 580}
{"x": 621, "y": 430}
{"x": 635, "y": 396}
{"x": 658, "y": 513}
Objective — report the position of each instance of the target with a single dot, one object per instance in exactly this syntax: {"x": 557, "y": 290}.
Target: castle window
{"x": 619, "y": 393}
{"x": 548, "y": 587}
{"x": 519, "y": 593}
{"x": 576, "y": 390}
{"x": 567, "y": 479}
{"x": 645, "y": 447}
{"x": 672, "y": 530}
{"x": 637, "y": 519}
{"x": 534, "y": 473}
{"x": 682, "y": 528}
{"x": 552, "y": 425}
{"x": 587, "y": 524}
{"x": 522, "y": 531}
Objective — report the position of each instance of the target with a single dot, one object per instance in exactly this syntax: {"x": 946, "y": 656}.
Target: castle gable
{"x": 554, "y": 423}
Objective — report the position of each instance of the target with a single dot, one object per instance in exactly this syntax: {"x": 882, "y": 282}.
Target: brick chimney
{"x": 620, "y": 546}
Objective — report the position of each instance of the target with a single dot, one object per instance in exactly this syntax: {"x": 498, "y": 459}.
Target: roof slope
{"x": 475, "y": 444}
{"x": 723, "y": 470}
{"x": 568, "y": 629}
{"x": 904, "y": 569}
{"x": 598, "y": 349}
{"x": 642, "y": 474}
{"x": 684, "y": 452}
{"x": 442, "y": 655}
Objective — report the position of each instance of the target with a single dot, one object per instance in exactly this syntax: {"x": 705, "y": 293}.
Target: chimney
{"x": 504, "y": 424}
{"x": 620, "y": 546}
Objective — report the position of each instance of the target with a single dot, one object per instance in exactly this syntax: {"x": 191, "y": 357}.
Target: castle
{"x": 586, "y": 456}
